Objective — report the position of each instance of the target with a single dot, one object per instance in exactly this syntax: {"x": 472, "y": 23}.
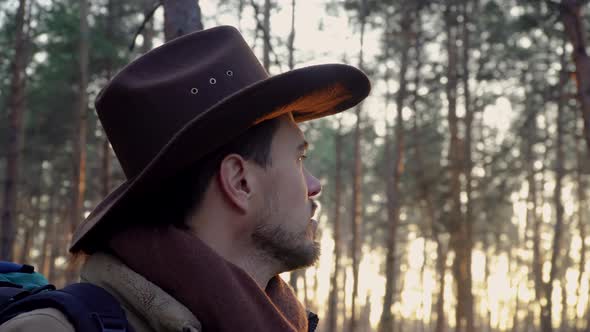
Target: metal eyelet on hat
{"x": 229, "y": 73}
{"x": 194, "y": 91}
{"x": 212, "y": 81}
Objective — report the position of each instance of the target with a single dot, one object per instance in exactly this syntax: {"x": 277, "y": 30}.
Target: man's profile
{"x": 218, "y": 201}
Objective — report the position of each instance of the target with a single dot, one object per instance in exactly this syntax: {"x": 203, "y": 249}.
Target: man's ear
{"x": 235, "y": 181}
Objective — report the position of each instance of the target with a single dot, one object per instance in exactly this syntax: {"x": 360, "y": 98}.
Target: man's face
{"x": 285, "y": 229}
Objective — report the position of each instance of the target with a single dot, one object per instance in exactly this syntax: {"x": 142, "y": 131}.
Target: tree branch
{"x": 147, "y": 17}
{"x": 260, "y": 27}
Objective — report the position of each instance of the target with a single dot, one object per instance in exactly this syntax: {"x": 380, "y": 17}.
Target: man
{"x": 217, "y": 200}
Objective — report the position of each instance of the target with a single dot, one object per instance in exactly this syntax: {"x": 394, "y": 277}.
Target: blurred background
{"x": 455, "y": 196}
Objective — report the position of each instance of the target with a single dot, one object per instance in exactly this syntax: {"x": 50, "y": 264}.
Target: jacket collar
{"x": 146, "y": 304}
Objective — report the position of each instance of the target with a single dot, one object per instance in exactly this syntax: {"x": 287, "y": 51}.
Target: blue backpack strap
{"x": 10, "y": 267}
{"x": 312, "y": 321}
{"x": 103, "y": 307}
{"x": 87, "y": 307}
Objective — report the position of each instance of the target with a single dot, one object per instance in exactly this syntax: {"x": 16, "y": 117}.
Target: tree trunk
{"x": 79, "y": 183}
{"x": 343, "y": 296}
{"x": 393, "y": 172}
{"x": 559, "y": 210}
{"x": 486, "y": 278}
{"x": 58, "y": 243}
{"x": 564, "y": 324}
{"x": 534, "y": 220}
{"x": 27, "y": 239}
{"x": 425, "y": 255}
{"x": 266, "y": 36}
{"x": 424, "y": 191}
{"x": 305, "y": 289}
{"x": 33, "y": 228}
{"x": 459, "y": 228}
{"x": 441, "y": 269}
{"x": 291, "y": 41}
{"x": 16, "y": 107}
{"x": 357, "y": 204}
{"x": 357, "y": 217}
{"x": 512, "y": 261}
{"x": 106, "y": 147}
{"x": 181, "y": 17}
{"x": 332, "y": 322}
{"x": 580, "y": 186}
{"x": 148, "y": 31}
{"x": 516, "y": 308}
{"x": 532, "y": 216}
{"x": 468, "y": 167}
{"x": 49, "y": 230}
{"x": 294, "y": 278}
{"x": 573, "y": 22}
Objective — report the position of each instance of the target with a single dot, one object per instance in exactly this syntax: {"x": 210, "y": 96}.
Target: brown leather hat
{"x": 186, "y": 98}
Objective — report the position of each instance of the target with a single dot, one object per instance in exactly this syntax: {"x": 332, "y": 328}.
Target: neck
{"x": 258, "y": 268}
{"x": 235, "y": 248}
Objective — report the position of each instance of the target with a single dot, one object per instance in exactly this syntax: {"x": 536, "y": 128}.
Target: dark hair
{"x": 183, "y": 194}
{"x": 172, "y": 202}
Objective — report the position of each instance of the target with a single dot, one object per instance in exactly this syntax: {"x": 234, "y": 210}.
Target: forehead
{"x": 289, "y": 128}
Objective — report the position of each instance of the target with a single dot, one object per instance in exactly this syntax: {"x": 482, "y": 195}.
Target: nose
{"x": 314, "y": 187}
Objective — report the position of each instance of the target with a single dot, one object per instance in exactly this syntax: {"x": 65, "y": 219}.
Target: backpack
{"x": 87, "y": 306}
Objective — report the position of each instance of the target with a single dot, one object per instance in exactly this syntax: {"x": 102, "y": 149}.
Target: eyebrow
{"x": 303, "y": 146}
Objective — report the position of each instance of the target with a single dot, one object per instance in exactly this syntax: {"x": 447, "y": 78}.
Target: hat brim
{"x": 313, "y": 92}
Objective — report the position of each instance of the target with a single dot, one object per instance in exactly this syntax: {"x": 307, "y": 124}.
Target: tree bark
{"x": 357, "y": 205}
{"x": 580, "y": 186}
{"x": 31, "y": 229}
{"x": 106, "y": 147}
{"x": 294, "y": 278}
{"x": 468, "y": 220}
{"x": 266, "y": 36}
{"x": 424, "y": 188}
{"x": 459, "y": 228}
{"x": 332, "y": 322}
{"x": 356, "y": 217}
{"x": 16, "y": 107}
{"x": 425, "y": 255}
{"x": 343, "y": 296}
{"x": 393, "y": 172}
{"x": 47, "y": 239}
{"x": 441, "y": 269}
{"x": 79, "y": 181}
{"x": 305, "y": 289}
{"x": 534, "y": 219}
{"x": 291, "y": 41}
{"x": 58, "y": 243}
{"x": 181, "y": 17}
{"x": 557, "y": 201}
{"x": 573, "y": 22}
{"x": 514, "y": 284}
{"x": 564, "y": 323}
{"x": 26, "y": 244}
{"x": 486, "y": 278}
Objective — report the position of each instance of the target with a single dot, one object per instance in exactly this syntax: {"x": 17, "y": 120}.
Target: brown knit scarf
{"x": 220, "y": 294}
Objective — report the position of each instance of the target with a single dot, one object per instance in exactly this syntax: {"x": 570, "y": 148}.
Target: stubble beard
{"x": 292, "y": 250}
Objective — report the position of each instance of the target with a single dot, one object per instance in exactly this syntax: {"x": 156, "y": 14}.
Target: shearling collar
{"x": 148, "y": 307}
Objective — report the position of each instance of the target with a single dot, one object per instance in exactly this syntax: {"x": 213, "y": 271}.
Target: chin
{"x": 304, "y": 256}
{"x": 290, "y": 249}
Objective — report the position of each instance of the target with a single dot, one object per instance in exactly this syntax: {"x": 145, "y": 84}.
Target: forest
{"x": 454, "y": 197}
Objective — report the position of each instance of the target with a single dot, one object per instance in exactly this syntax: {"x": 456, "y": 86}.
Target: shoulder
{"x": 46, "y": 319}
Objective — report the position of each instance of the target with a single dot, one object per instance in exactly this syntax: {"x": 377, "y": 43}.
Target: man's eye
{"x": 303, "y": 157}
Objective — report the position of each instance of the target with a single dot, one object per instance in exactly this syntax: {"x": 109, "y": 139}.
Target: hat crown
{"x": 155, "y": 96}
